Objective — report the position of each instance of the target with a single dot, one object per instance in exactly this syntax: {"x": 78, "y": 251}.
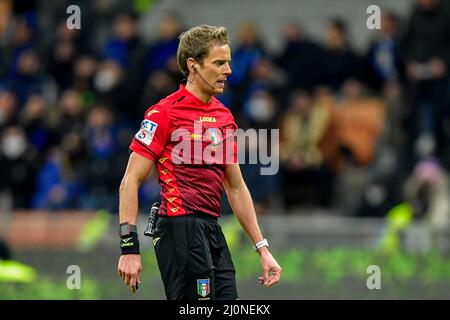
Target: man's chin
{"x": 218, "y": 90}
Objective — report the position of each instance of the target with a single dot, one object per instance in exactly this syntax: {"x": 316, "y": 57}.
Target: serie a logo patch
{"x": 148, "y": 129}
{"x": 203, "y": 287}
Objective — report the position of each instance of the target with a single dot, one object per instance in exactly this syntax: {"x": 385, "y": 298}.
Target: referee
{"x": 187, "y": 136}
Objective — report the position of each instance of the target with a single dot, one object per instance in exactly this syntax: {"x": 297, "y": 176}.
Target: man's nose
{"x": 228, "y": 69}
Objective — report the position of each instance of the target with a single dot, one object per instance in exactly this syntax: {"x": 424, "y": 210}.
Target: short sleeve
{"x": 153, "y": 134}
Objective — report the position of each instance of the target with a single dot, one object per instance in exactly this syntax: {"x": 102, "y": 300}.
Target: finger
{"x": 133, "y": 284}
{"x": 136, "y": 283}
{"x": 138, "y": 278}
{"x": 275, "y": 278}
{"x": 121, "y": 272}
{"x": 265, "y": 276}
{"x": 127, "y": 279}
{"x": 273, "y": 281}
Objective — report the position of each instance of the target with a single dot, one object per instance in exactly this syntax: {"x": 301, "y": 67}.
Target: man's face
{"x": 215, "y": 69}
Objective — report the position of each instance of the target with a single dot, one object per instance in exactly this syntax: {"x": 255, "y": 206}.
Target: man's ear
{"x": 191, "y": 64}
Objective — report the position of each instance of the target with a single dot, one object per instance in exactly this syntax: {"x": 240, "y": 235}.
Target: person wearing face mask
{"x": 18, "y": 164}
{"x": 191, "y": 250}
{"x": 110, "y": 86}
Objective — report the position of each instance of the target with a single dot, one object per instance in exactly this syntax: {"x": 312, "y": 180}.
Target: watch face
{"x": 124, "y": 229}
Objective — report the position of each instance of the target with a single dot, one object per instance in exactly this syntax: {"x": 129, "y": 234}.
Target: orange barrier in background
{"x": 30, "y": 229}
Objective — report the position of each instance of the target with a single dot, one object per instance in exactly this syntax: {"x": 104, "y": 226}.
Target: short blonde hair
{"x": 197, "y": 42}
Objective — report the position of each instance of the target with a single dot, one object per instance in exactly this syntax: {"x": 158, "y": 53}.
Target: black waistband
{"x": 205, "y": 216}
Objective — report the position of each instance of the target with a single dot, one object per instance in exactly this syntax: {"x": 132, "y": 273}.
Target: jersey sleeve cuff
{"x": 149, "y": 154}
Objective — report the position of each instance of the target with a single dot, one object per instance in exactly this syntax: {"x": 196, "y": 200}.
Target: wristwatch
{"x": 126, "y": 229}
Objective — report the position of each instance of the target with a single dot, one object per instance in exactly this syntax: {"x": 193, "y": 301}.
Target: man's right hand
{"x": 129, "y": 269}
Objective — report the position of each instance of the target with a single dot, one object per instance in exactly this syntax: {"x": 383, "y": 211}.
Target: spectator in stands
{"x": 161, "y": 74}
{"x": 111, "y": 89}
{"x": 361, "y": 119}
{"x": 29, "y": 78}
{"x": 71, "y": 114}
{"x": 33, "y": 120}
{"x": 24, "y": 39}
{"x": 57, "y": 184}
{"x": 330, "y": 144}
{"x": 340, "y": 61}
{"x": 8, "y": 108}
{"x": 382, "y": 64}
{"x": 263, "y": 188}
{"x": 266, "y": 76}
{"x": 61, "y": 55}
{"x": 104, "y": 158}
{"x": 126, "y": 48}
{"x": 260, "y": 110}
{"x": 163, "y": 51}
{"x": 125, "y": 43}
{"x": 159, "y": 85}
{"x": 426, "y": 53}
{"x": 85, "y": 68}
{"x": 18, "y": 165}
{"x": 248, "y": 51}
{"x": 301, "y": 58}
{"x": 307, "y": 178}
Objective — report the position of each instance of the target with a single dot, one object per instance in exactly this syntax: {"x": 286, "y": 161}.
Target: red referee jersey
{"x": 191, "y": 142}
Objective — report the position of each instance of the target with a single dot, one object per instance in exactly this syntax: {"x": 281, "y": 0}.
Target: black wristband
{"x": 129, "y": 244}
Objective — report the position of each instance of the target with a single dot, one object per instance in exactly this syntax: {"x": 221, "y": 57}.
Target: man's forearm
{"x": 242, "y": 205}
{"x": 128, "y": 202}
{"x": 138, "y": 169}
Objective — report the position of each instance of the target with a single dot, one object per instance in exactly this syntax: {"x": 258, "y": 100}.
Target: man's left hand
{"x": 271, "y": 269}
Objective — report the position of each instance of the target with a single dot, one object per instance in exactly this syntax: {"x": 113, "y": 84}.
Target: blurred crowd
{"x": 359, "y": 131}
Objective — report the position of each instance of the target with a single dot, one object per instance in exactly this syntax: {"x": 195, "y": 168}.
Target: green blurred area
{"x": 93, "y": 231}
{"x": 339, "y": 272}
{"x": 331, "y": 274}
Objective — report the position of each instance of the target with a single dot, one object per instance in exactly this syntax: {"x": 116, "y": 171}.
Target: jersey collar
{"x": 194, "y": 99}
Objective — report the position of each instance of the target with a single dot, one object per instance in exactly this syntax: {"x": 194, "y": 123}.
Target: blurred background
{"x": 364, "y": 119}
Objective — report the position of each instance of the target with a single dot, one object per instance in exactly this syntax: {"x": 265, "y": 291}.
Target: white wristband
{"x": 259, "y": 245}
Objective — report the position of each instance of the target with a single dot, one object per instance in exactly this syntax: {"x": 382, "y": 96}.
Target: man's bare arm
{"x": 138, "y": 168}
{"x": 241, "y": 202}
